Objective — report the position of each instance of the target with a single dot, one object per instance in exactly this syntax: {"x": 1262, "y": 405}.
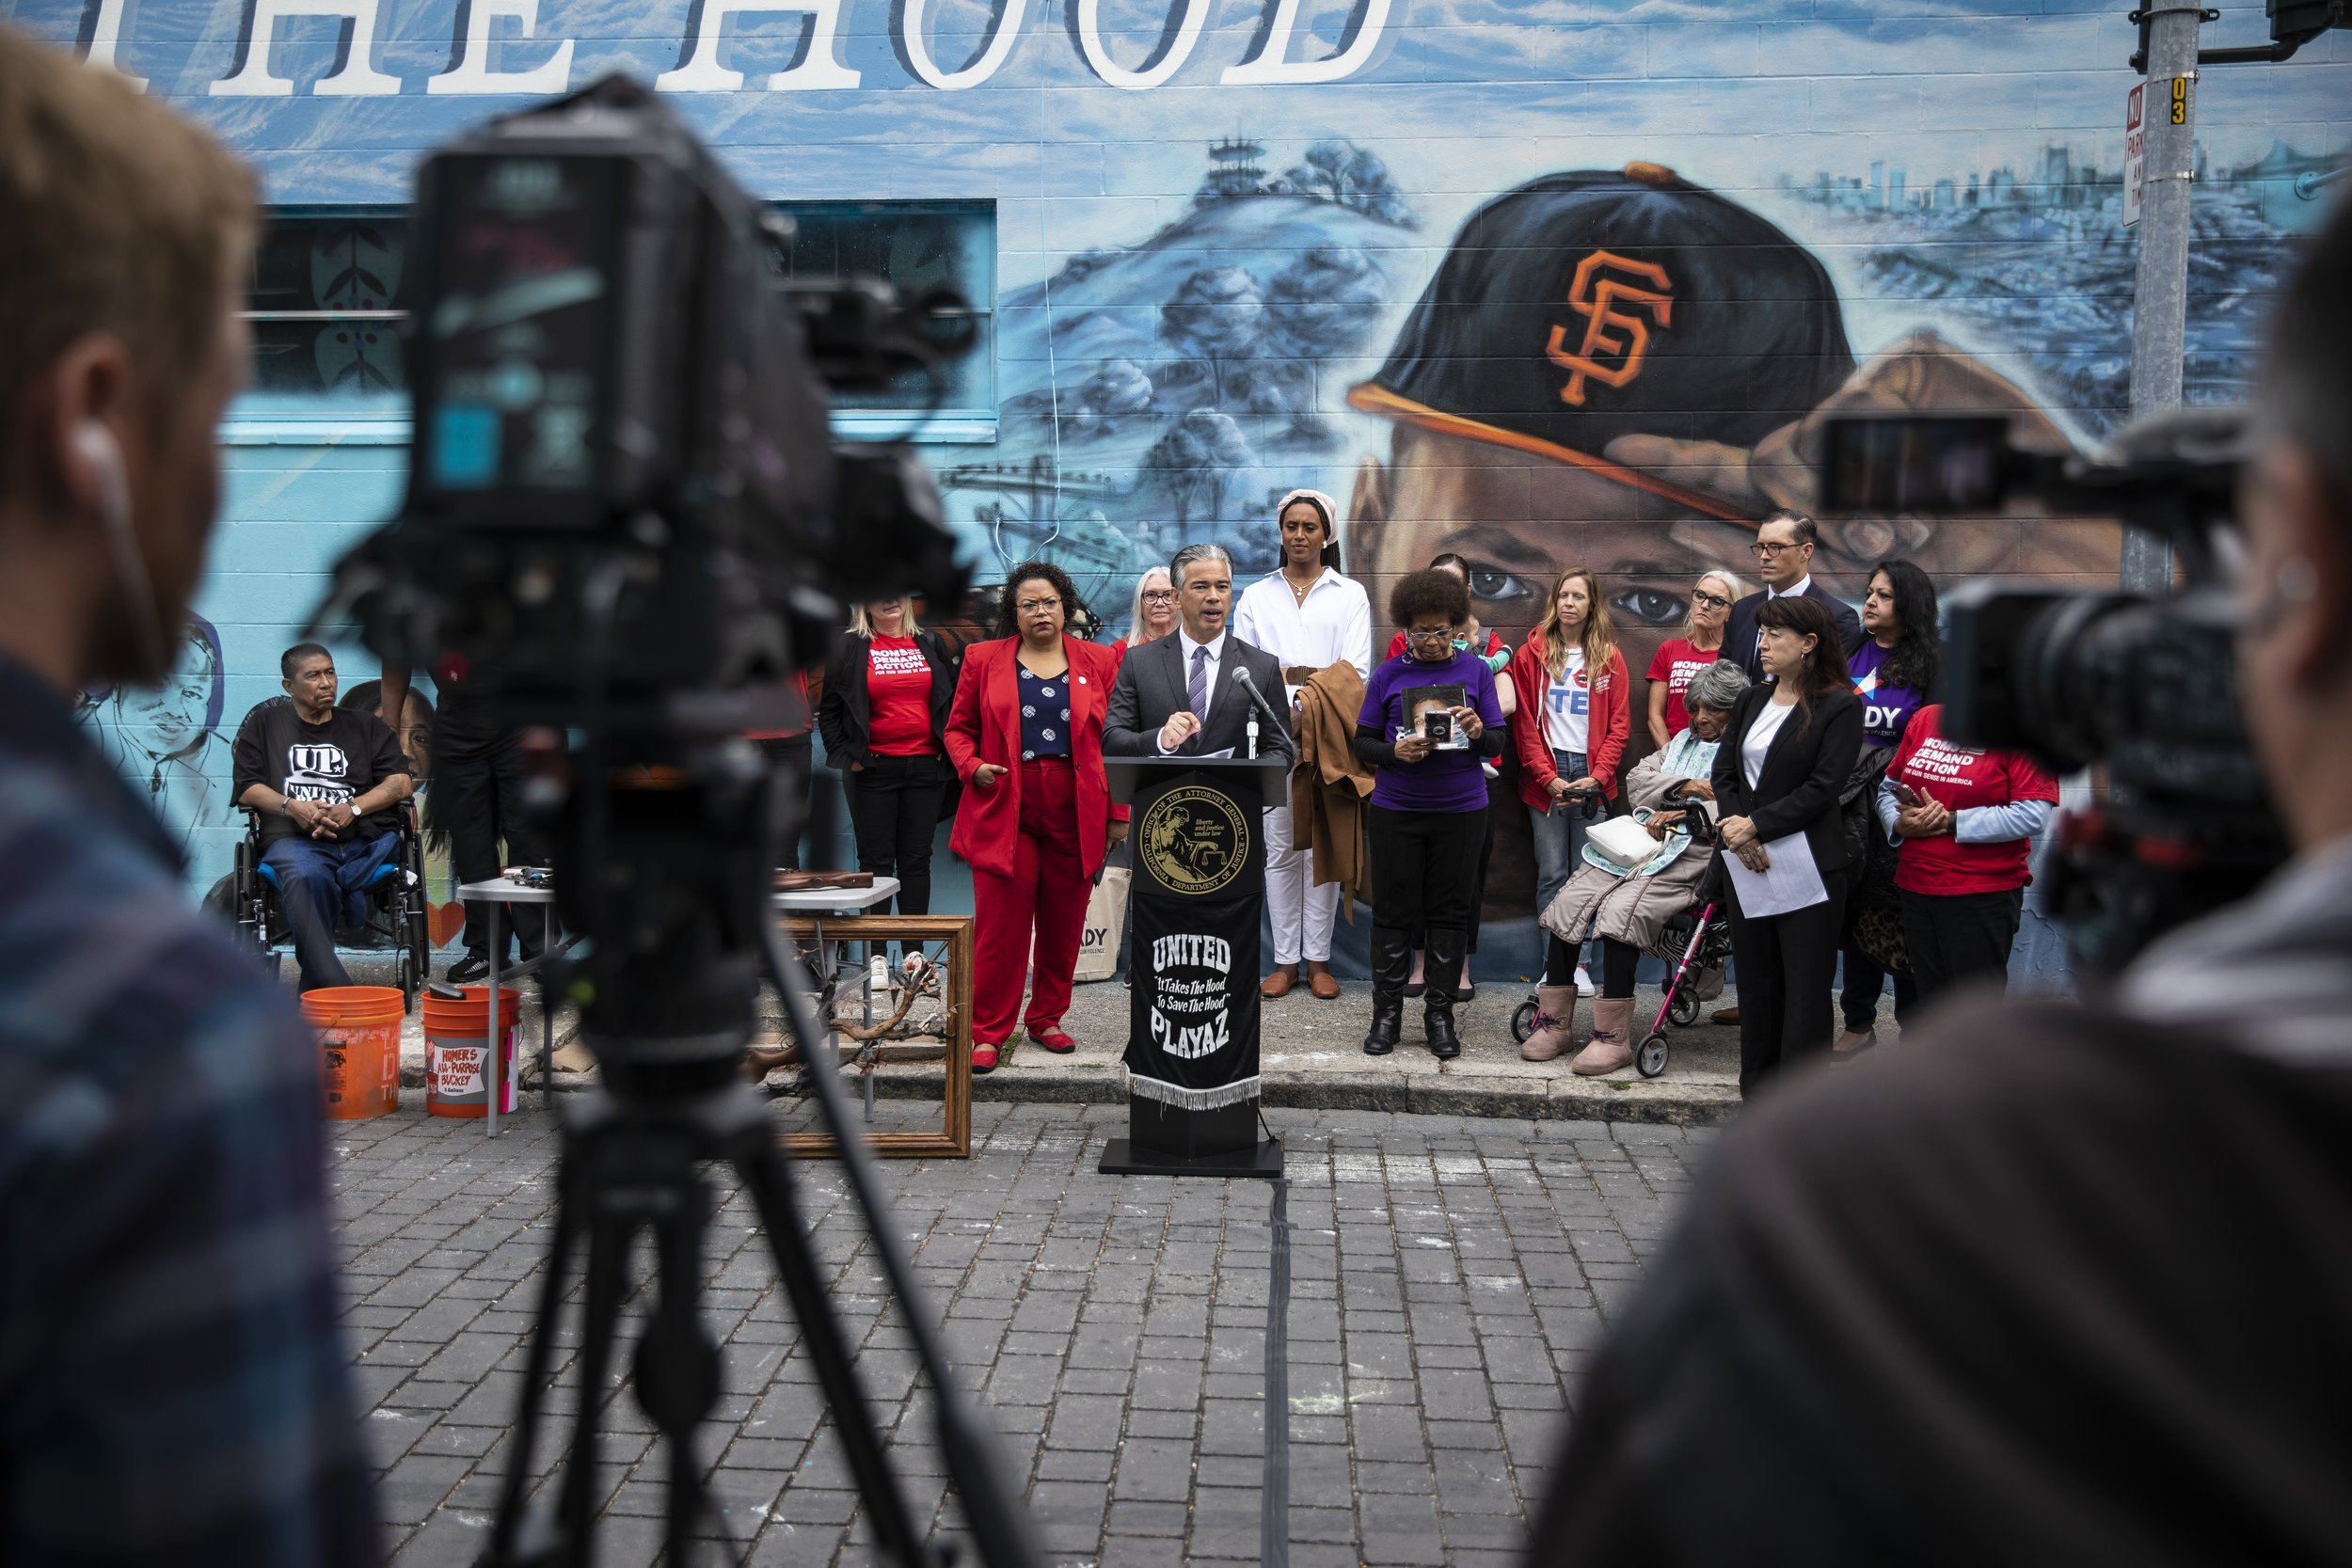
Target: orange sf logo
{"x": 1615, "y": 339}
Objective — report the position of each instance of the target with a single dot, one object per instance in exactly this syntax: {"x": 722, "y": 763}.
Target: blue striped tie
{"x": 1199, "y": 690}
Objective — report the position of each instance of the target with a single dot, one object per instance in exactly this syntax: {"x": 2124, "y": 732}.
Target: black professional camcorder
{"x": 629, "y": 522}
{"x": 628, "y": 515}
{"x": 2145, "y": 687}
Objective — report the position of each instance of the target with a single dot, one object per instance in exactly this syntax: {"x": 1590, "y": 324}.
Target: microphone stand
{"x": 1258, "y": 701}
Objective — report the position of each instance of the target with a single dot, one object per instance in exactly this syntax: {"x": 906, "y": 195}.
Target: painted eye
{"x": 1650, "y": 606}
{"x": 1493, "y": 584}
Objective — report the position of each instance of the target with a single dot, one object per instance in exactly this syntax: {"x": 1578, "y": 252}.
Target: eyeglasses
{"x": 1429, "y": 634}
{"x": 1159, "y": 595}
{"x": 1712, "y": 601}
{"x": 1765, "y": 552}
{"x": 1036, "y": 607}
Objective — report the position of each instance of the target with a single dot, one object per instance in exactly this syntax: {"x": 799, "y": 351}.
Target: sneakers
{"x": 1053, "y": 1039}
{"x": 1584, "y": 986}
{"x": 878, "y": 980}
{"x": 470, "y": 970}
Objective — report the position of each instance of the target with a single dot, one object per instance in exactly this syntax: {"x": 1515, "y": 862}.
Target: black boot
{"x": 1391, "y": 964}
{"x": 1447, "y": 946}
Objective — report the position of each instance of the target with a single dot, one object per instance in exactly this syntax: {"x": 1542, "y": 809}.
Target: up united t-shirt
{"x": 1676, "y": 662}
{"x": 1958, "y": 779}
{"x": 1886, "y": 710}
{"x": 899, "y": 699}
{"x": 333, "y": 764}
{"x": 1568, "y": 707}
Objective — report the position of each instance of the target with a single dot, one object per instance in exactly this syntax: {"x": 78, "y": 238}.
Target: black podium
{"x": 1192, "y": 1041}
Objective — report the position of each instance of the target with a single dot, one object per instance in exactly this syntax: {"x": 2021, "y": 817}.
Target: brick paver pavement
{"x": 1450, "y": 1277}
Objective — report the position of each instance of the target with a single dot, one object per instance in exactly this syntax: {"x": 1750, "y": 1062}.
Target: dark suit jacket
{"x": 1150, "y": 686}
{"x": 1797, "y": 791}
{"x": 1739, "y": 632}
{"x": 843, "y": 713}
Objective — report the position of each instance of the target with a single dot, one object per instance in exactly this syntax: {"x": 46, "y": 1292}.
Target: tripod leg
{"x": 767, "y": 1177}
{"x": 526, "y": 1428}
{"x": 678, "y": 1361}
{"x": 609, "y": 1238}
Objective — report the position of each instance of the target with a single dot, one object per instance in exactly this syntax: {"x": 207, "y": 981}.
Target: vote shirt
{"x": 333, "y": 764}
{"x": 1958, "y": 779}
{"x": 1568, "y": 707}
{"x": 1676, "y": 662}
{"x": 1886, "y": 710}
{"x": 899, "y": 699}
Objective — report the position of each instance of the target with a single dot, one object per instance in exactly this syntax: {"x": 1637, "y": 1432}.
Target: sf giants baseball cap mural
{"x": 1585, "y": 306}
{"x": 1623, "y": 370}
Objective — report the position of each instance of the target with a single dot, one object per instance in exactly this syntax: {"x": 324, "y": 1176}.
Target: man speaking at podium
{"x": 1184, "y": 695}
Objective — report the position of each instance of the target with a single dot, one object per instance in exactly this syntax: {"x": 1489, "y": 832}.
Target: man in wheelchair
{"x": 324, "y": 783}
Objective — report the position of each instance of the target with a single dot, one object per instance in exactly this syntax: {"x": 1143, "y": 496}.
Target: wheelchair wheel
{"x": 1523, "y": 1021}
{"x": 1649, "y": 1057}
{"x": 1685, "y": 1010}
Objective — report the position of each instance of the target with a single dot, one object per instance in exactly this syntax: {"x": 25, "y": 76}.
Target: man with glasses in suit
{"x": 1785, "y": 542}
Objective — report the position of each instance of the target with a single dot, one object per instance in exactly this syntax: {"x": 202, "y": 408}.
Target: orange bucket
{"x": 359, "y": 1035}
{"x": 456, "y": 1051}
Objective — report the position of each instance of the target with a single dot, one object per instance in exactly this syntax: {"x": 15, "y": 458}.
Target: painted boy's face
{"x": 1519, "y": 520}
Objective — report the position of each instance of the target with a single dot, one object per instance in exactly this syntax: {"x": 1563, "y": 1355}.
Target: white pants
{"x": 1302, "y": 914}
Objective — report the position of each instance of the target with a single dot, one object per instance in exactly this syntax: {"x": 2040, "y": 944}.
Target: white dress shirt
{"x": 1183, "y": 680}
{"x": 1331, "y": 624}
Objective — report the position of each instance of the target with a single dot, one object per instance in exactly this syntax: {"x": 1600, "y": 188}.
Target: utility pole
{"x": 2160, "y": 295}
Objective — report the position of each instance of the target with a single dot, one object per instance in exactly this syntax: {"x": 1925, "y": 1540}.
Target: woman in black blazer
{"x": 1783, "y": 759}
{"x": 884, "y": 714}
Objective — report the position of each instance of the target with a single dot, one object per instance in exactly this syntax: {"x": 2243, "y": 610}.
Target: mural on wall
{"x": 167, "y": 739}
{"x": 1545, "y": 282}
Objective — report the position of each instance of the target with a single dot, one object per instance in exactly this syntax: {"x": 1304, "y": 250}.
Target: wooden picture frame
{"x": 954, "y": 1139}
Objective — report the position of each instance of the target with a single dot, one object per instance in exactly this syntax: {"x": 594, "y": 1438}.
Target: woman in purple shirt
{"x": 1430, "y": 716}
{"x": 1892, "y": 671}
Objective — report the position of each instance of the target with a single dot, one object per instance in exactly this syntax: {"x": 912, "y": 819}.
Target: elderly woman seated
{"x": 1626, "y": 908}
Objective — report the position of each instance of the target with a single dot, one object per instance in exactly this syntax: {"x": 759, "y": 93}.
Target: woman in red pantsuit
{"x": 1025, "y": 737}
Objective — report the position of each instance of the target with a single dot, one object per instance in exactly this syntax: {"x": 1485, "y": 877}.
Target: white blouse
{"x": 1769, "y": 718}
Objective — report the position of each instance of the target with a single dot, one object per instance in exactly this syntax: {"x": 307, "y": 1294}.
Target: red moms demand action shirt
{"x": 899, "y": 699}
{"x": 1958, "y": 779}
{"x": 1677, "y": 661}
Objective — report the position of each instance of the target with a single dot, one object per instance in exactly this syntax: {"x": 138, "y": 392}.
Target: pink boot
{"x": 1555, "y": 1010}
{"x": 1611, "y": 1049}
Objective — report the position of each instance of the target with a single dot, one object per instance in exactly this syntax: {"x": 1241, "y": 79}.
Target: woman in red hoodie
{"x": 1025, "y": 737}
{"x": 1569, "y": 731}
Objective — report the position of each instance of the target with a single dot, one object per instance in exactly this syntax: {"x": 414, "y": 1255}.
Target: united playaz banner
{"x": 1192, "y": 1039}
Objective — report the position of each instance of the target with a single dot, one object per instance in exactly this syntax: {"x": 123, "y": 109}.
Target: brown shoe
{"x": 1280, "y": 982}
{"x": 1319, "y": 980}
{"x": 1723, "y": 1015}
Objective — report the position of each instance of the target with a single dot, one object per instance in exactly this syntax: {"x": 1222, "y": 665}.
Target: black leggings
{"x": 1618, "y": 961}
{"x": 1423, "y": 863}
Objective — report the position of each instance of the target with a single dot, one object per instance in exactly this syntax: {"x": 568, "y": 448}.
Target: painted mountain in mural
{"x": 1164, "y": 392}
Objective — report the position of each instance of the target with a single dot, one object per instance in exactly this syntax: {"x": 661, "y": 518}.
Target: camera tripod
{"x": 630, "y": 1163}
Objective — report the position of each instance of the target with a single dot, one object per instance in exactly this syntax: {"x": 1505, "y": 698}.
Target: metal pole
{"x": 2160, "y": 295}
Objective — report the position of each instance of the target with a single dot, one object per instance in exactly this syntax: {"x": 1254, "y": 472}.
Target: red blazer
{"x": 1606, "y": 734}
{"x": 984, "y": 725}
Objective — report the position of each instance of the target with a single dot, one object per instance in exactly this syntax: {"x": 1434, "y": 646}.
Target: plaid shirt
{"x": 173, "y": 1388}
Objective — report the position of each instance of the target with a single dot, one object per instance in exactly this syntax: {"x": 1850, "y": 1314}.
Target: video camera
{"x": 627, "y": 521}
{"x": 625, "y": 514}
{"x": 2144, "y": 685}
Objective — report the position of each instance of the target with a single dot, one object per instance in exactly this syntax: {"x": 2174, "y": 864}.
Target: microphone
{"x": 1257, "y": 698}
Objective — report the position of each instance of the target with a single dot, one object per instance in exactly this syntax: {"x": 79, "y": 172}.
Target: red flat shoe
{"x": 1053, "y": 1039}
{"x": 983, "y": 1058}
